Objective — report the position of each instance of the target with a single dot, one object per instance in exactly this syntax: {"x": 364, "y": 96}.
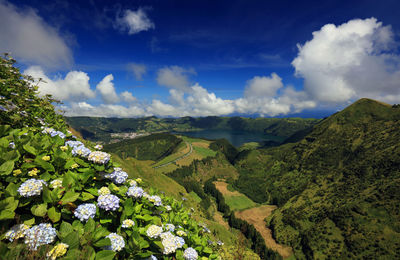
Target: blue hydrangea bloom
{"x": 108, "y": 202}
{"x": 117, "y": 242}
{"x": 85, "y": 211}
{"x": 81, "y": 151}
{"x": 31, "y": 187}
{"x": 117, "y": 176}
{"x": 135, "y": 192}
{"x": 38, "y": 235}
{"x": 190, "y": 254}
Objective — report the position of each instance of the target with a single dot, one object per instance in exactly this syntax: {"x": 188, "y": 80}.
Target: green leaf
{"x": 86, "y": 196}
{"x": 207, "y": 250}
{"x": 12, "y": 189}
{"x": 90, "y": 226}
{"x": 103, "y": 242}
{"x": 30, "y": 149}
{"x": 29, "y": 222}
{"x": 9, "y": 204}
{"x": 100, "y": 232}
{"x": 39, "y": 210}
{"x": 48, "y": 195}
{"x": 105, "y": 255}
{"x": 72, "y": 239}
{"x": 105, "y": 220}
{"x": 45, "y": 165}
{"x": 65, "y": 229}
{"x": 88, "y": 253}
{"x": 6, "y": 168}
{"x": 128, "y": 207}
{"x": 54, "y": 214}
{"x": 138, "y": 208}
{"x": 7, "y": 214}
{"x": 69, "y": 196}
{"x": 69, "y": 163}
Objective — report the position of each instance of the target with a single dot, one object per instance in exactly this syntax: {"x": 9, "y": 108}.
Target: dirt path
{"x": 256, "y": 217}
{"x": 223, "y": 188}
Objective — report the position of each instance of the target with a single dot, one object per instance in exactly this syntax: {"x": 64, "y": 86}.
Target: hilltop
{"x": 337, "y": 188}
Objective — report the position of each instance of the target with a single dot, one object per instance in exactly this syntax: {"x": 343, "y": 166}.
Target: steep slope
{"x": 337, "y": 187}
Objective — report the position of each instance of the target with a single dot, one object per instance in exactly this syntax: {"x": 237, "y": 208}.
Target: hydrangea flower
{"x": 17, "y": 172}
{"x": 46, "y": 158}
{"x": 169, "y": 227}
{"x": 108, "y": 202}
{"x": 132, "y": 182}
{"x": 152, "y": 257}
{"x": 117, "y": 242}
{"x": 64, "y": 148}
{"x": 220, "y": 243}
{"x": 190, "y": 254}
{"x": 127, "y": 223}
{"x": 171, "y": 242}
{"x": 11, "y": 145}
{"x": 33, "y": 172}
{"x": 57, "y": 251}
{"x": 135, "y": 192}
{"x": 181, "y": 233}
{"x": 85, "y": 211}
{"x": 81, "y": 151}
{"x": 99, "y": 157}
{"x": 60, "y": 134}
{"x": 73, "y": 144}
{"x": 48, "y": 130}
{"x": 98, "y": 147}
{"x": 117, "y": 176}
{"x": 168, "y": 208}
{"x": 31, "y": 187}
{"x": 156, "y": 200}
{"x": 17, "y": 231}
{"x": 56, "y": 184}
{"x": 38, "y": 235}
{"x": 154, "y": 231}
{"x": 104, "y": 191}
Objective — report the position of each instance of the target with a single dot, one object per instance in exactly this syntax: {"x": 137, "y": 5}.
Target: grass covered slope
{"x": 152, "y": 147}
{"x": 337, "y": 188}
{"x": 60, "y": 198}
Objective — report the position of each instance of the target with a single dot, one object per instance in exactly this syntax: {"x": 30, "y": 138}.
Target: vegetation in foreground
{"x": 62, "y": 198}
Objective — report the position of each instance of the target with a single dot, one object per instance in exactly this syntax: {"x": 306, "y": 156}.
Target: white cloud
{"x": 107, "y": 90}
{"x": 350, "y": 61}
{"x": 75, "y": 85}
{"x": 103, "y": 110}
{"x": 128, "y": 97}
{"x": 263, "y": 86}
{"x": 175, "y": 77}
{"x": 134, "y": 21}
{"x": 30, "y": 39}
{"x": 138, "y": 70}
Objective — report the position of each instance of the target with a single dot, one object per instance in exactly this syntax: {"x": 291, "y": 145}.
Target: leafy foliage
{"x": 45, "y": 183}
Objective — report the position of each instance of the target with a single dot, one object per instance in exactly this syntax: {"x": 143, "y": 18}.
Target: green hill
{"x": 337, "y": 188}
{"x": 152, "y": 147}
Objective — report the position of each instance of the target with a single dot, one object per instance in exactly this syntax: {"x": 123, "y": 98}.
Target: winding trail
{"x": 177, "y": 159}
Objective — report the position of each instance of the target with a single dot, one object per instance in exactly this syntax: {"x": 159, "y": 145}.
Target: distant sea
{"x": 237, "y": 138}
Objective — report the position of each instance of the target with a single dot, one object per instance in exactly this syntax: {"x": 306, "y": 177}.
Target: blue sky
{"x": 200, "y": 58}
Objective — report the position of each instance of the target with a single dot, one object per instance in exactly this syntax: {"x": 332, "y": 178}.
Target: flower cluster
{"x": 56, "y": 184}
{"x": 81, "y": 151}
{"x": 17, "y": 231}
{"x": 190, "y": 254}
{"x": 98, "y": 147}
{"x": 127, "y": 223}
{"x": 31, "y": 187}
{"x": 154, "y": 231}
{"x": 104, "y": 191}
{"x": 99, "y": 157}
{"x": 169, "y": 227}
{"x": 156, "y": 200}
{"x": 33, "y": 172}
{"x": 135, "y": 192}
{"x": 117, "y": 176}
{"x": 181, "y": 233}
{"x": 171, "y": 242}
{"x": 85, "y": 211}
{"x": 108, "y": 202}
{"x": 38, "y": 235}
{"x": 73, "y": 144}
{"x": 132, "y": 182}
{"x": 117, "y": 242}
{"x": 168, "y": 208}
{"x": 52, "y": 132}
{"x": 11, "y": 145}
{"x": 57, "y": 251}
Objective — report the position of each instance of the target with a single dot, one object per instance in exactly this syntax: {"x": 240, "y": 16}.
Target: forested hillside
{"x": 337, "y": 188}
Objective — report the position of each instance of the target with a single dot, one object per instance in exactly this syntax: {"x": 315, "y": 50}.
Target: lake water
{"x": 237, "y": 138}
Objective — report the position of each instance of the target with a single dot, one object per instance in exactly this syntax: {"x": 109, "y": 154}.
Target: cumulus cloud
{"x": 138, "y": 70}
{"x": 30, "y": 39}
{"x": 353, "y": 60}
{"x": 175, "y": 77}
{"x": 103, "y": 110}
{"x": 107, "y": 90}
{"x": 263, "y": 86}
{"x": 134, "y": 21}
{"x": 128, "y": 97}
{"x": 75, "y": 86}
